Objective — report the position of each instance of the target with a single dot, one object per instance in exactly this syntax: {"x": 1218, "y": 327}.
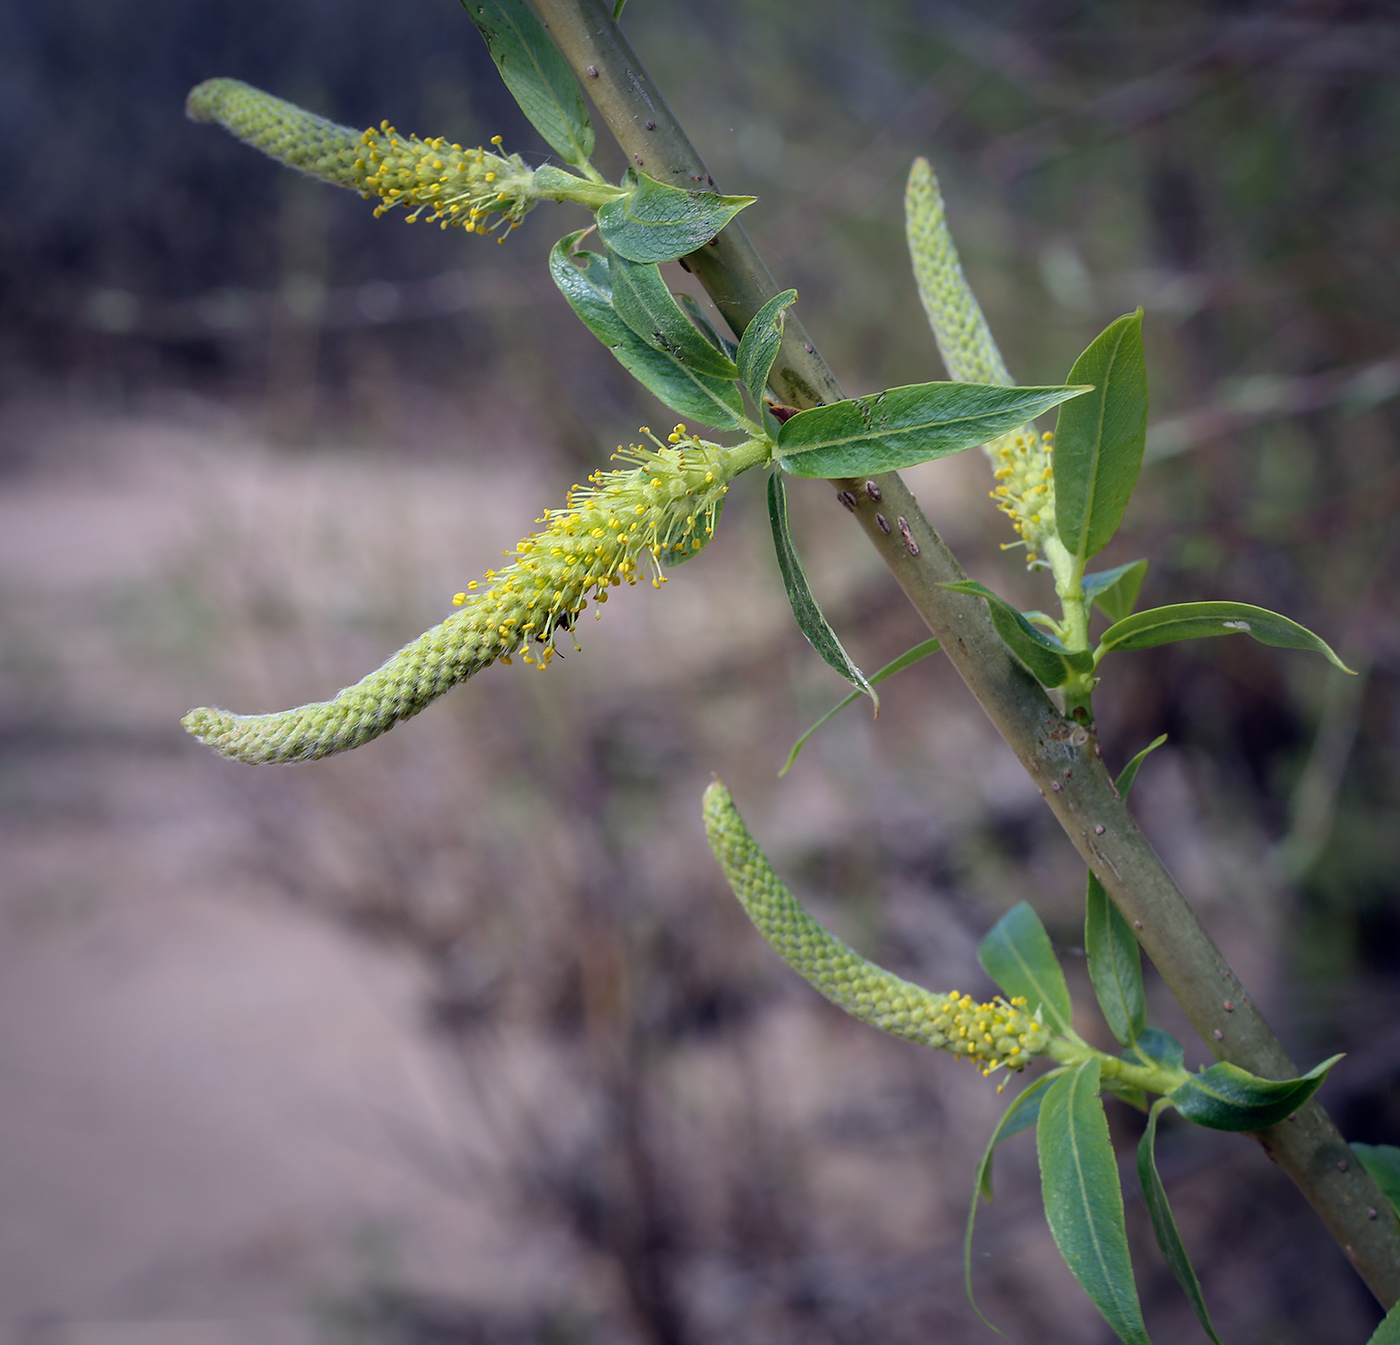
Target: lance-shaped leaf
{"x": 645, "y": 304}
{"x": 1200, "y": 620}
{"x": 1017, "y": 955}
{"x": 1115, "y": 591}
{"x": 908, "y": 425}
{"x": 1382, "y": 1163}
{"x": 1154, "y": 1196}
{"x": 1115, "y": 965}
{"x": 537, "y": 76}
{"x": 1043, "y": 654}
{"x": 810, "y": 619}
{"x": 759, "y": 346}
{"x": 1225, "y": 1097}
{"x": 655, "y": 222}
{"x": 1099, "y": 439}
{"x": 1083, "y": 1201}
{"x": 711, "y": 401}
{"x": 1019, "y": 1116}
{"x": 919, "y": 651}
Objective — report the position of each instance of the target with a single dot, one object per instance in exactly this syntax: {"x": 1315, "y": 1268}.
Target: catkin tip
{"x": 212, "y": 727}
{"x": 202, "y": 101}
{"x": 199, "y": 722}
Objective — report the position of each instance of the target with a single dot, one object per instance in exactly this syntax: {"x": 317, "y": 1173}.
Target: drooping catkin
{"x": 992, "y": 1035}
{"x": 663, "y": 509}
{"x": 475, "y": 188}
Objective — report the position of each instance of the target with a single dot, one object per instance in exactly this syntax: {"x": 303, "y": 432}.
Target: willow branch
{"x": 1061, "y": 757}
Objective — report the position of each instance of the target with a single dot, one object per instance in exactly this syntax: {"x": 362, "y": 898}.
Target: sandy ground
{"x": 204, "y": 1090}
{"x": 222, "y": 1116}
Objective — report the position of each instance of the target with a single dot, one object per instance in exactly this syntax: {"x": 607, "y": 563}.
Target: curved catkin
{"x": 458, "y": 186}
{"x": 993, "y": 1035}
{"x": 663, "y": 509}
{"x": 418, "y": 674}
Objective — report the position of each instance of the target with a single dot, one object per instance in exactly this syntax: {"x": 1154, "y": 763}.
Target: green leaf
{"x": 645, "y": 304}
{"x": 909, "y": 656}
{"x": 655, "y": 222}
{"x": 1115, "y": 962}
{"x": 804, "y": 605}
{"x": 1155, "y": 1049}
{"x": 537, "y": 76}
{"x": 1043, "y": 654}
{"x": 1388, "y": 1332}
{"x": 1099, "y": 438}
{"x": 1115, "y": 591}
{"x": 1198, "y": 620}
{"x": 1019, "y": 1116}
{"x": 712, "y": 401}
{"x": 904, "y": 426}
{"x": 1225, "y": 1097}
{"x": 705, "y": 327}
{"x": 1083, "y": 1201}
{"x": 1129, "y": 772}
{"x": 759, "y": 346}
{"x": 1382, "y": 1163}
{"x": 1017, "y": 955}
{"x": 1115, "y": 965}
{"x": 1164, "y": 1224}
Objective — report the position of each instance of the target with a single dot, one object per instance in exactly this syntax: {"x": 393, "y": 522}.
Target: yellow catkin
{"x": 475, "y": 188}
{"x": 1025, "y": 484}
{"x": 995, "y": 1035}
{"x": 610, "y": 532}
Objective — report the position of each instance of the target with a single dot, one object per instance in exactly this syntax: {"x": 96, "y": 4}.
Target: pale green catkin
{"x": 663, "y": 509}
{"x": 1025, "y": 490}
{"x": 964, "y": 340}
{"x": 993, "y": 1035}
{"x": 459, "y": 186}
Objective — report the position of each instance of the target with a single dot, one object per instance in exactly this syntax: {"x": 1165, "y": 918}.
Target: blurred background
{"x": 461, "y": 1038}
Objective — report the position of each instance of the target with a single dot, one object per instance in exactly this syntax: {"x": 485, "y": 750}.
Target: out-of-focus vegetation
{"x": 722, "y": 1157}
